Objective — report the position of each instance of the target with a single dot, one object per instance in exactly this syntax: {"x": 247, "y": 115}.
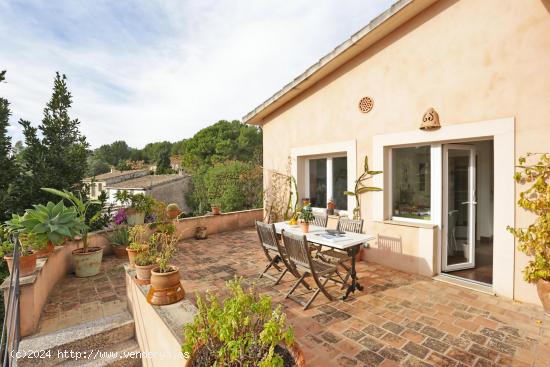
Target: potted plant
{"x": 330, "y": 207}
{"x": 306, "y": 216}
{"x": 48, "y": 226}
{"x": 27, "y": 258}
{"x": 216, "y": 208}
{"x": 165, "y": 275}
{"x": 138, "y": 242}
{"x": 534, "y": 240}
{"x": 120, "y": 239}
{"x": 241, "y": 330}
{"x": 137, "y": 206}
{"x": 144, "y": 263}
{"x": 87, "y": 260}
{"x": 173, "y": 211}
{"x": 201, "y": 231}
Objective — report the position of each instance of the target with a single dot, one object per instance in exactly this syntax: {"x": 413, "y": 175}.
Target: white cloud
{"x": 145, "y": 71}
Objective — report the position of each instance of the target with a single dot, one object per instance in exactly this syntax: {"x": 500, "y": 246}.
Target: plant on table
{"x": 306, "y": 216}
{"x": 361, "y": 188}
{"x": 87, "y": 259}
{"x": 534, "y": 170}
{"x": 241, "y": 330}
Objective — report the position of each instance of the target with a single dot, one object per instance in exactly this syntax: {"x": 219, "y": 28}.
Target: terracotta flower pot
{"x": 201, "y": 233}
{"x": 46, "y": 251}
{"x": 305, "y": 227}
{"x": 173, "y": 214}
{"x": 294, "y": 350}
{"x": 87, "y": 264}
{"x": 120, "y": 251}
{"x": 167, "y": 280}
{"x": 27, "y": 264}
{"x": 132, "y": 256}
{"x": 543, "y": 289}
{"x": 216, "y": 210}
{"x": 144, "y": 272}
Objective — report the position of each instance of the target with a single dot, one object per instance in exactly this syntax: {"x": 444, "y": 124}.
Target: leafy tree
{"x": 151, "y": 150}
{"x": 221, "y": 142}
{"x": 178, "y": 148}
{"x": 8, "y": 167}
{"x": 96, "y": 166}
{"x": 163, "y": 161}
{"x": 114, "y": 153}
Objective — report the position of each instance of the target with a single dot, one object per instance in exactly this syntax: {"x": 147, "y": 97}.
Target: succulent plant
{"x": 172, "y": 206}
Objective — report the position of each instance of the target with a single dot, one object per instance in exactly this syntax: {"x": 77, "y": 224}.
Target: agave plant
{"x": 53, "y": 221}
{"x": 80, "y": 208}
{"x": 361, "y": 188}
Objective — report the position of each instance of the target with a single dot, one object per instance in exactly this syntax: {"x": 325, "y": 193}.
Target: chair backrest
{"x": 319, "y": 220}
{"x": 350, "y": 225}
{"x": 296, "y": 248}
{"x": 268, "y": 236}
{"x": 332, "y": 222}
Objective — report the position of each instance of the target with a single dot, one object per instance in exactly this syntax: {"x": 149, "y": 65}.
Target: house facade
{"x": 448, "y": 193}
{"x": 99, "y": 183}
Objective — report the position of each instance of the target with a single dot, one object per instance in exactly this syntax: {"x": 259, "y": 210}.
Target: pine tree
{"x": 8, "y": 168}
{"x": 58, "y": 159}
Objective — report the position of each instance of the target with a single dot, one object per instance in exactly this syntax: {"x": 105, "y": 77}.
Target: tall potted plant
{"x": 165, "y": 275}
{"x": 87, "y": 259}
{"x": 139, "y": 236}
{"x": 534, "y": 171}
{"x": 241, "y": 330}
{"x": 361, "y": 188}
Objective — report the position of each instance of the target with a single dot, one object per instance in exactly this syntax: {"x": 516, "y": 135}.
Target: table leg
{"x": 353, "y": 274}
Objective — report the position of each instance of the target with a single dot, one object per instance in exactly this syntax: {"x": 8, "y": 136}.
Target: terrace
{"x": 398, "y": 319}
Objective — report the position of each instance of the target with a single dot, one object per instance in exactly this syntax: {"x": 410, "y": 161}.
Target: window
{"x": 100, "y": 186}
{"x": 411, "y": 188}
{"x": 93, "y": 190}
{"x": 327, "y": 179}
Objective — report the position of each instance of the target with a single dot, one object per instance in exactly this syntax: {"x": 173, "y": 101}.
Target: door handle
{"x": 469, "y": 202}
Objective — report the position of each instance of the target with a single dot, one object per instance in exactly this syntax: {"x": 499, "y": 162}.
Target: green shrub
{"x": 242, "y": 330}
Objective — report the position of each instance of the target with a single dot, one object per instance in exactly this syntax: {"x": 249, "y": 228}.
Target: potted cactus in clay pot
{"x": 534, "y": 171}
{"x": 173, "y": 211}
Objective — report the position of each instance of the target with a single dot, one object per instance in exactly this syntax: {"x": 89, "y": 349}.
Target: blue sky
{"x": 149, "y": 70}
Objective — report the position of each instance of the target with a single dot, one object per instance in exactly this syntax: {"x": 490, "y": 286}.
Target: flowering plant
{"x": 306, "y": 214}
{"x": 120, "y": 216}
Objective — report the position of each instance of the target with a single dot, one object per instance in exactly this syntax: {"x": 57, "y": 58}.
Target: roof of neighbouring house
{"x": 389, "y": 20}
{"x": 146, "y": 182}
{"x": 113, "y": 174}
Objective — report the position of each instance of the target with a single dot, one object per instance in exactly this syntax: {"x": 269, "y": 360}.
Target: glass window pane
{"x": 340, "y": 182}
{"x": 411, "y": 182}
{"x": 318, "y": 182}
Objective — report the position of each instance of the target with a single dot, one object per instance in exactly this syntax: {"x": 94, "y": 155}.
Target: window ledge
{"x": 409, "y": 224}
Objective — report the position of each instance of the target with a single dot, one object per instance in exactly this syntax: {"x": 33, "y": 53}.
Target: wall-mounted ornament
{"x": 366, "y": 104}
{"x": 430, "y": 120}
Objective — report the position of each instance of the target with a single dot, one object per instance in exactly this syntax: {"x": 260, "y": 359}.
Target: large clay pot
{"x": 201, "y": 233}
{"x": 133, "y": 217}
{"x": 120, "y": 251}
{"x": 165, "y": 280}
{"x": 305, "y": 227}
{"x": 543, "y": 289}
{"x": 144, "y": 272}
{"x": 27, "y": 264}
{"x": 46, "y": 251}
{"x": 294, "y": 350}
{"x": 87, "y": 264}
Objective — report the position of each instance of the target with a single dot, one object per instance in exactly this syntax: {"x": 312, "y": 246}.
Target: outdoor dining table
{"x": 347, "y": 241}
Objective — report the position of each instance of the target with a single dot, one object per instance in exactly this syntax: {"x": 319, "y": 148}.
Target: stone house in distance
{"x": 448, "y": 193}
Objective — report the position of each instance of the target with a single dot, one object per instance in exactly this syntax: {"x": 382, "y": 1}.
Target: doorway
{"x": 468, "y": 180}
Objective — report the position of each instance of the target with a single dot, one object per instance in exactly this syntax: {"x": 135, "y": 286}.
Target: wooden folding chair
{"x": 334, "y": 256}
{"x": 320, "y": 220}
{"x": 269, "y": 243}
{"x": 332, "y": 222}
{"x": 300, "y": 260}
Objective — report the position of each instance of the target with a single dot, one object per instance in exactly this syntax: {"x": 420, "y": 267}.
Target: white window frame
{"x": 330, "y": 173}
{"x": 348, "y": 149}
{"x": 435, "y": 183}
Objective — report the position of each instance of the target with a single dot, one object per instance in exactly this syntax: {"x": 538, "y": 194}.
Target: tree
{"x": 163, "y": 161}
{"x": 114, "y": 153}
{"x": 96, "y": 166}
{"x": 59, "y": 158}
{"x": 8, "y": 167}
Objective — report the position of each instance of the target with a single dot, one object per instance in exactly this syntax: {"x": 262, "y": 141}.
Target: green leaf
{"x": 368, "y": 189}
{"x": 349, "y": 193}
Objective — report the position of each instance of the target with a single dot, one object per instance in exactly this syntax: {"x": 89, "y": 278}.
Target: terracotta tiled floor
{"x": 399, "y": 319}
{"x": 77, "y": 300}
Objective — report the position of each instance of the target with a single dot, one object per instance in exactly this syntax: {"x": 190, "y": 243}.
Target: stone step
{"x": 124, "y": 354}
{"x": 53, "y": 348}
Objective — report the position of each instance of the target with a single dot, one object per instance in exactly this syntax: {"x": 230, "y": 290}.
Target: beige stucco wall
{"x": 471, "y": 60}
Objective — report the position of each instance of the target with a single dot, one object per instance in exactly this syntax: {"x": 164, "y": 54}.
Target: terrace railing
{"x": 10, "y": 328}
